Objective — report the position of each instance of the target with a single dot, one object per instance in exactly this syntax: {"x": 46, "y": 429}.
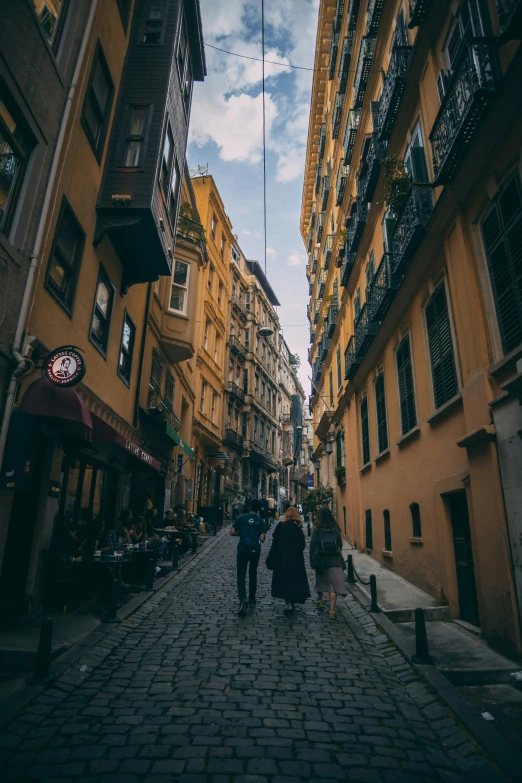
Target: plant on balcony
{"x": 189, "y": 223}
{"x": 340, "y": 474}
{"x": 397, "y": 183}
{"x": 295, "y": 360}
{"x": 316, "y": 498}
{"x": 341, "y": 234}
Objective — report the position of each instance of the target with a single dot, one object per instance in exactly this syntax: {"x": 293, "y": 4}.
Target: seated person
{"x": 151, "y": 534}
{"x": 120, "y": 536}
{"x": 169, "y": 518}
{"x": 95, "y": 536}
{"x": 66, "y": 548}
{"x": 183, "y": 531}
{"x": 138, "y": 532}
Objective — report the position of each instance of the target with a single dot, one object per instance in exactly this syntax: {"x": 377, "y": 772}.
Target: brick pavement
{"x": 184, "y": 691}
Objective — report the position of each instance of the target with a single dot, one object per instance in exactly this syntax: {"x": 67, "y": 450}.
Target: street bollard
{"x": 422, "y": 653}
{"x": 309, "y": 529}
{"x": 214, "y": 529}
{"x": 350, "y": 576}
{"x": 373, "y": 591}
{"x": 42, "y": 674}
{"x": 175, "y": 555}
{"x": 194, "y": 543}
{"x": 149, "y": 575}
{"x": 112, "y": 603}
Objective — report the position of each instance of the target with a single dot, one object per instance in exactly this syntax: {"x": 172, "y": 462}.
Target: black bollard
{"x": 112, "y": 603}
{"x": 350, "y": 576}
{"x": 175, "y": 557}
{"x": 309, "y": 529}
{"x": 149, "y": 574}
{"x": 214, "y": 531}
{"x": 373, "y": 591}
{"x": 422, "y": 653}
{"x": 42, "y": 674}
{"x": 194, "y": 543}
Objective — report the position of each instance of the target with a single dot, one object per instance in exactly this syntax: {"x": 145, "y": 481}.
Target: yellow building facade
{"x": 411, "y": 200}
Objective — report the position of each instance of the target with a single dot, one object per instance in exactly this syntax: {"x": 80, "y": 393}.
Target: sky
{"x": 226, "y": 134}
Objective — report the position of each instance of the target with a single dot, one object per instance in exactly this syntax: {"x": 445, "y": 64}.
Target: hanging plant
{"x": 397, "y": 183}
{"x": 341, "y": 234}
{"x": 189, "y": 223}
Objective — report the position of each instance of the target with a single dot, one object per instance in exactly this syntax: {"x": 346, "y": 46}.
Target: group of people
{"x": 286, "y": 558}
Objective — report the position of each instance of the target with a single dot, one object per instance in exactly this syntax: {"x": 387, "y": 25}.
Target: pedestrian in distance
{"x": 252, "y": 532}
{"x": 263, "y": 511}
{"x": 272, "y": 507}
{"x": 286, "y": 560}
{"x": 326, "y": 559}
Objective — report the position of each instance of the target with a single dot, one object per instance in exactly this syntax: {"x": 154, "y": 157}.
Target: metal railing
{"x": 237, "y": 302}
{"x": 233, "y": 437}
{"x": 365, "y": 330}
{"x": 344, "y": 65}
{"x": 347, "y": 267}
{"x": 337, "y": 114}
{"x": 409, "y": 225}
{"x": 331, "y": 319}
{"x": 374, "y": 16}
{"x": 234, "y": 389}
{"x": 419, "y": 10}
{"x": 351, "y": 365}
{"x": 363, "y": 71}
{"x": 356, "y": 226}
{"x": 334, "y": 50}
{"x": 350, "y": 135}
{"x": 322, "y": 142}
{"x": 325, "y": 192}
{"x": 340, "y": 187}
{"x": 507, "y": 9}
{"x": 338, "y": 18}
{"x": 328, "y": 248}
{"x": 236, "y": 345}
{"x": 382, "y": 289}
{"x": 393, "y": 89}
{"x": 369, "y": 174}
{"x": 353, "y": 13}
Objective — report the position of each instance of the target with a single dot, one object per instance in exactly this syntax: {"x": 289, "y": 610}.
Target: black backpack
{"x": 328, "y": 542}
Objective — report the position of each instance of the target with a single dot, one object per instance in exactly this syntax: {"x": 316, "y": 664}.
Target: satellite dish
{"x": 192, "y": 173}
{"x": 202, "y": 170}
{"x": 265, "y": 331}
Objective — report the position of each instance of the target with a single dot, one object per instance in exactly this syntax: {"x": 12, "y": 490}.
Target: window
{"x": 387, "y": 531}
{"x": 247, "y": 301}
{"x": 172, "y": 206}
{"x": 415, "y": 159}
{"x": 388, "y": 224}
{"x": 184, "y": 65}
{"x": 124, "y": 9}
{"x": 15, "y": 146}
{"x": 217, "y": 348}
{"x": 134, "y": 145}
{"x": 235, "y": 255}
{"x": 169, "y": 391}
{"x": 102, "y": 311}
{"x": 64, "y": 261}
{"x": 406, "y": 390}
{"x": 257, "y": 385}
{"x": 154, "y": 22}
{"x": 380, "y": 405}
{"x": 247, "y": 339}
{"x": 263, "y": 391}
{"x": 156, "y": 371}
{"x": 97, "y": 103}
{"x": 51, "y": 15}
{"x": 166, "y": 162}
{"x": 368, "y": 531}
{"x": 213, "y": 410}
{"x": 441, "y": 348}
{"x": 365, "y": 431}
{"x": 244, "y": 425}
{"x": 415, "y": 520}
{"x": 468, "y": 24}
{"x": 220, "y": 293}
{"x": 222, "y": 246}
{"x": 245, "y": 381}
{"x": 370, "y": 271}
{"x": 357, "y": 304}
{"x": 501, "y": 231}
{"x": 331, "y": 388}
{"x": 210, "y": 281}
{"x": 339, "y": 450}
{"x": 339, "y": 368}
{"x": 206, "y": 335}
{"x": 202, "y": 397}
{"x": 179, "y": 289}
{"x": 213, "y": 226}
{"x": 126, "y": 349}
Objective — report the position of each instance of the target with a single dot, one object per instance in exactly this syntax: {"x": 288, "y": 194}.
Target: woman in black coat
{"x": 289, "y": 580}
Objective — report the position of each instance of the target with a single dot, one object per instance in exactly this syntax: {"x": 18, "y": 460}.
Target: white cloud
{"x": 245, "y": 232}
{"x": 271, "y": 253}
{"x": 295, "y": 259}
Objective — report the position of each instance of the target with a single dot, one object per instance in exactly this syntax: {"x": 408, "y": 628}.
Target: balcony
{"x": 311, "y": 338}
{"x": 382, "y": 289}
{"x": 510, "y": 19}
{"x": 363, "y": 70}
{"x": 419, "y": 10}
{"x": 344, "y": 66}
{"x": 334, "y": 50}
{"x": 365, "y": 330}
{"x": 325, "y": 192}
{"x": 322, "y": 142}
{"x": 409, "y": 226}
{"x": 393, "y": 89}
{"x": 354, "y": 232}
{"x": 369, "y": 173}
{"x": 340, "y": 187}
{"x": 315, "y": 259}
{"x": 237, "y": 347}
{"x": 468, "y": 96}
{"x": 8, "y": 164}
{"x": 236, "y": 391}
{"x": 337, "y": 114}
{"x": 350, "y": 135}
{"x": 316, "y": 316}
{"x": 338, "y": 18}
{"x": 320, "y": 224}
{"x": 331, "y": 319}
{"x": 318, "y": 367}
{"x": 374, "y": 16}
{"x": 191, "y": 231}
{"x": 173, "y": 420}
{"x": 321, "y": 285}
{"x": 239, "y": 305}
{"x": 328, "y": 248}
{"x": 353, "y": 13}
{"x": 325, "y": 347}
{"x": 233, "y": 438}
{"x": 341, "y": 254}
{"x": 351, "y": 365}
{"x": 310, "y": 239}
{"x": 317, "y": 182}
{"x": 347, "y": 267}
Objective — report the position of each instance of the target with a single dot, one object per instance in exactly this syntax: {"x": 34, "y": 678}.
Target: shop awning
{"x": 104, "y": 433}
{"x": 64, "y": 406}
{"x": 173, "y": 435}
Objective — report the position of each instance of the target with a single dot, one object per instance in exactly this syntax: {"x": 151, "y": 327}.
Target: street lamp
{"x": 265, "y": 331}
{"x": 318, "y": 464}
{"x": 329, "y": 447}
{"x": 219, "y": 457}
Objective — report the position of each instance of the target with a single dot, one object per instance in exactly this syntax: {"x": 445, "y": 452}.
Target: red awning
{"x": 64, "y": 406}
{"x": 104, "y": 433}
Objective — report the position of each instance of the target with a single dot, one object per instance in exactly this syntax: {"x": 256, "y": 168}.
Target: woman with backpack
{"x": 326, "y": 559}
{"x": 286, "y": 560}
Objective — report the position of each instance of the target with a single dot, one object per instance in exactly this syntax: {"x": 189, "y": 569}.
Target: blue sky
{"x": 226, "y": 133}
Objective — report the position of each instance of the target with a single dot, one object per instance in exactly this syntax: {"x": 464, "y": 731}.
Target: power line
{"x": 264, "y": 121}
{"x": 257, "y": 60}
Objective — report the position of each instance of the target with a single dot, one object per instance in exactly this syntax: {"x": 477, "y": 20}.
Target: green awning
{"x": 171, "y": 432}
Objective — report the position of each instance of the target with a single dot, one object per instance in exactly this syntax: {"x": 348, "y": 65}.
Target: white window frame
{"x": 177, "y": 285}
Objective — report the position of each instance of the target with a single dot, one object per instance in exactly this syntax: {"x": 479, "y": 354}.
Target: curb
{"x": 506, "y": 758}
{"x": 22, "y": 695}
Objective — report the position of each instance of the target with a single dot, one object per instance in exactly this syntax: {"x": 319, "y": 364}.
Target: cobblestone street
{"x": 186, "y": 691}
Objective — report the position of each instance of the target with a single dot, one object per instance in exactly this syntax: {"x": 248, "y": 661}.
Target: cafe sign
{"x": 64, "y": 366}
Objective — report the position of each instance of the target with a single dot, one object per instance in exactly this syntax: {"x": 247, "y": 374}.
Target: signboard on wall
{"x": 64, "y": 366}
{"x": 310, "y": 481}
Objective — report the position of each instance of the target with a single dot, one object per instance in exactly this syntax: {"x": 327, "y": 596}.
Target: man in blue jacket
{"x": 252, "y": 532}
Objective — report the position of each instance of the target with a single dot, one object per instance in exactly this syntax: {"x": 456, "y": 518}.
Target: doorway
{"x": 466, "y": 584}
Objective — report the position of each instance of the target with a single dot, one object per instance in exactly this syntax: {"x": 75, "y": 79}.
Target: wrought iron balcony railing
{"x": 465, "y": 104}
{"x": 382, "y": 289}
{"x": 374, "y": 16}
{"x": 347, "y": 267}
{"x": 318, "y": 366}
{"x": 316, "y": 315}
{"x": 322, "y": 142}
{"x": 234, "y": 389}
{"x": 340, "y": 188}
{"x": 363, "y": 70}
{"x": 510, "y": 19}
{"x": 341, "y": 254}
{"x": 365, "y": 330}
{"x": 308, "y": 312}
{"x": 310, "y": 239}
{"x": 357, "y": 224}
{"x": 344, "y": 65}
{"x": 393, "y": 89}
{"x": 331, "y": 319}
{"x": 322, "y": 283}
{"x": 315, "y": 259}
{"x": 369, "y": 173}
{"x": 337, "y": 114}
{"x": 419, "y": 10}
{"x": 324, "y": 348}
{"x": 311, "y": 337}
{"x": 328, "y": 248}
{"x": 235, "y": 301}
{"x": 353, "y": 13}
{"x": 350, "y": 134}
{"x": 237, "y": 346}
{"x": 317, "y": 183}
{"x": 325, "y": 192}
{"x": 192, "y": 231}
{"x": 234, "y": 438}
{"x": 351, "y": 365}
{"x": 320, "y": 224}
{"x": 334, "y": 50}
{"x": 409, "y": 225}
{"x": 338, "y": 18}
{"x": 8, "y": 165}
{"x": 173, "y": 420}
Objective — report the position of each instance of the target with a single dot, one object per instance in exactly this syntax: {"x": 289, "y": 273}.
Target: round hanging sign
{"x": 64, "y": 366}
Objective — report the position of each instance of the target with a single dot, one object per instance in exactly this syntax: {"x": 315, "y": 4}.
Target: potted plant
{"x": 340, "y": 474}
{"x": 397, "y": 183}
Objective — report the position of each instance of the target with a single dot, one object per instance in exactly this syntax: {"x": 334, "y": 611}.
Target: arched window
{"x": 387, "y": 531}
{"x": 416, "y": 520}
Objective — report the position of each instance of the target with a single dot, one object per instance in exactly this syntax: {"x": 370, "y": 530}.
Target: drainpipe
{"x": 136, "y": 417}
{"x": 17, "y": 350}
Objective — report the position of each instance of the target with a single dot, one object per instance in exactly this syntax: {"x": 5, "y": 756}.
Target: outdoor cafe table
{"x": 193, "y": 535}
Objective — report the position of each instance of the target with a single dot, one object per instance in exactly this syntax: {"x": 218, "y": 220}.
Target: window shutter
{"x": 454, "y": 43}
{"x": 502, "y": 236}
{"x": 416, "y": 520}
{"x": 335, "y": 292}
{"x": 365, "y": 429}
{"x": 369, "y": 532}
{"x": 339, "y": 368}
{"x": 380, "y": 403}
{"x": 441, "y": 85}
{"x": 374, "y": 108}
{"x": 477, "y": 23}
{"x": 406, "y": 391}
{"x": 441, "y": 348}
{"x": 389, "y": 225}
{"x": 419, "y": 170}
{"x": 387, "y": 531}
